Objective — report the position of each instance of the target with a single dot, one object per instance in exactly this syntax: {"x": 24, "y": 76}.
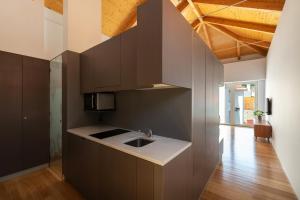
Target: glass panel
{"x": 222, "y": 103}
{"x": 238, "y": 107}
{"x": 237, "y": 103}
{"x": 56, "y": 115}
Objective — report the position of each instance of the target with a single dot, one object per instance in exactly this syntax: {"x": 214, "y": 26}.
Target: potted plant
{"x": 259, "y": 114}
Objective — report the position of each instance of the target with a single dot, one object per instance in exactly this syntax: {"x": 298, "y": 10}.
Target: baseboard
{"x": 23, "y": 172}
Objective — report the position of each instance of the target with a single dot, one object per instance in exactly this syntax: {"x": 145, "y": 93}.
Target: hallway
{"x": 249, "y": 170}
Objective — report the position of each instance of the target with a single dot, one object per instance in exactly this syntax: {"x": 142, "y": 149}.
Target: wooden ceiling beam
{"x": 195, "y": 23}
{"x": 241, "y": 24}
{"x": 263, "y": 44}
{"x": 237, "y": 38}
{"x": 182, "y": 5}
{"x": 259, "y": 43}
{"x": 238, "y": 49}
{"x": 199, "y": 14}
{"x": 255, "y": 4}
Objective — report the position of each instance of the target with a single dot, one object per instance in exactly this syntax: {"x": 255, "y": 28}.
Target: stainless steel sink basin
{"x": 139, "y": 142}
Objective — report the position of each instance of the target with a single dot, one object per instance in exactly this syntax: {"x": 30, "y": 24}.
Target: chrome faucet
{"x": 147, "y": 132}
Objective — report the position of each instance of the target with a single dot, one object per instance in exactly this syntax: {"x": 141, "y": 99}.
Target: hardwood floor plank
{"x": 249, "y": 170}
{"x": 38, "y": 185}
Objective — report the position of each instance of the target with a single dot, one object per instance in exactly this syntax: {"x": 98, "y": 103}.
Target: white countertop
{"x": 160, "y": 152}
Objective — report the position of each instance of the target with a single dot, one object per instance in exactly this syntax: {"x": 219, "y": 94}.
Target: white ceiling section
{"x": 83, "y": 24}
{"x": 245, "y": 70}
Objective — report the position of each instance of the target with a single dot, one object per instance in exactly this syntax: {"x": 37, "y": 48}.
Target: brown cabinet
{"x": 101, "y": 66}
{"x": 129, "y": 59}
{"x": 24, "y": 137}
{"x": 164, "y": 46}
{"x": 107, "y": 68}
{"x": 82, "y": 169}
{"x": 36, "y": 120}
{"x": 262, "y": 129}
{"x": 111, "y": 65}
{"x": 212, "y": 112}
{"x": 123, "y": 175}
{"x": 198, "y": 130}
{"x": 11, "y": 113}
{"x": 101, "y": 172}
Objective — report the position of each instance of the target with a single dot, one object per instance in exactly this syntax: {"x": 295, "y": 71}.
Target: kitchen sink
{"x": 139, "y": 142}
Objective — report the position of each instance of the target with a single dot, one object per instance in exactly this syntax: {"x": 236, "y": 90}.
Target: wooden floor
{"x": 39, "y": 185}
{"x": 249, "y": 170}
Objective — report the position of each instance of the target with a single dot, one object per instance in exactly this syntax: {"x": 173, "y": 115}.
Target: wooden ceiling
{"x": 55, "y": 5}
{"x": 231, "y": 28}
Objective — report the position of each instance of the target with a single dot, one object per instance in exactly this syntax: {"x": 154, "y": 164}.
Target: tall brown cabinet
{"x": 24, "y": 116}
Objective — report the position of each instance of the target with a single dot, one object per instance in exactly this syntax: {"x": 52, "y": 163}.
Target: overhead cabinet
{"x": 101, "y": 66}
{"x": 24, "y": 135}
{"x": 111, "y": 65}
{"x": 164, "y": 46}
{"x": 156, "y": 52}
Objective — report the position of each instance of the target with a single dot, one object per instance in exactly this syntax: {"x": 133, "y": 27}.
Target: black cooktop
{"x": 109, "y": 133}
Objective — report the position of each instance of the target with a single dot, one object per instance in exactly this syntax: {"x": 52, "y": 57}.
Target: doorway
{"x": 239, "y": 100}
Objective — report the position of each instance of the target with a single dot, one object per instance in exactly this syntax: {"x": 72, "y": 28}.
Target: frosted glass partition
{"x": 56, "y": 115}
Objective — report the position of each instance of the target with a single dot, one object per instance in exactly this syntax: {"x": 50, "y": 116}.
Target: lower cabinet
{"x": 101, "y": 172}
{"x": 82, "y": 166}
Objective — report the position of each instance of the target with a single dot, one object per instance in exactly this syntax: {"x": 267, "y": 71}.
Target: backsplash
{"x": 167, "y": 112}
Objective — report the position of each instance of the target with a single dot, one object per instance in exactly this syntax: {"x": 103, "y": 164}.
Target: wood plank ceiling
{"x": 231, "y": 28}
{"x": 55, "y": 5}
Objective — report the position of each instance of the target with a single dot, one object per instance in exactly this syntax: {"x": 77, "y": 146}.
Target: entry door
{"x": 238, "y": 109}
{"x": 240, "y": 101}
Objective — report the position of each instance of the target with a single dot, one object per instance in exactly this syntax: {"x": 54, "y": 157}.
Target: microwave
{"x": 100, "y": 101}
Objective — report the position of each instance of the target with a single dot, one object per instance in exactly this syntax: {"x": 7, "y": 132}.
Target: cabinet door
{"x": 36, "y": 77}
{"x": 107, "y": 63}
{"x": 82, "y": 169}
{"x": 198, "y": 125}
{"x": 145, "y": 180}
{"x": 123, "y": 176}
{"x": 10, "y": 115}
{"x": 129, "y": 59}
{"x": 101, "y": 67}
{"x": 86, "y": 71}
{"x": 212, "y": 115}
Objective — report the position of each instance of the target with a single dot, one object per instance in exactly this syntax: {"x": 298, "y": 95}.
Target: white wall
{"x": 82, "y": 24}
{"x": 22, "y": 27}
{"x": 283, "y": 86}
{"x": 28, "y": 28}
{"x": 245, "y": 70}
{"x": 53, "y": 33}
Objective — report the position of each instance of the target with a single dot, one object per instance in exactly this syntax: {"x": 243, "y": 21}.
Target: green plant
{"x": 259, "y": 113}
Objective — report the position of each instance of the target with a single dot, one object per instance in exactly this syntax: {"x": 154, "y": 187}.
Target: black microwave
{"x": 100, "y": 101}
